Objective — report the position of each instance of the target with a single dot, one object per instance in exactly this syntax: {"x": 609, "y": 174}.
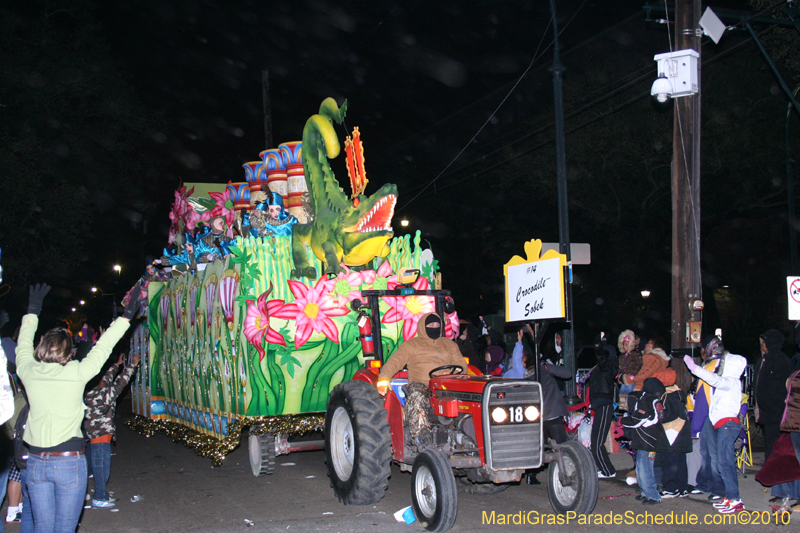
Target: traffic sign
{"x": 793, "y": 290}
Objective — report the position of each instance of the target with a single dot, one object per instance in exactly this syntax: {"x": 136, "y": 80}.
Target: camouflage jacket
{"x": 101, "y": 402}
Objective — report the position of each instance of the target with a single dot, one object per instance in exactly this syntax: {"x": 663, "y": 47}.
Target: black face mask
{"x": 433, "y": 333}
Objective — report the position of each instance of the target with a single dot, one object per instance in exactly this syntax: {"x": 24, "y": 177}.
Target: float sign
{"x": 793, "y": 289}
{"x": 535, "y": 289}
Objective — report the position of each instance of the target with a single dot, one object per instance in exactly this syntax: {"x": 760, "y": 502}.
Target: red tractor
{"x": 486, "y": 432}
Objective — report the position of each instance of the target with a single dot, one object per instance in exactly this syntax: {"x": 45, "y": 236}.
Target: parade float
{"x": 280, "y": 331}
{"x": 250, "y": 344}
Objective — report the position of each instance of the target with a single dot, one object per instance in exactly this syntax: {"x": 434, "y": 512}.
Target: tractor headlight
{"x": 531, "y": 413}
{"x": 499, "y": 415}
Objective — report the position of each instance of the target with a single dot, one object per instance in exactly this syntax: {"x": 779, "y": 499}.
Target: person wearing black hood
{"x": 644, "y": 426}
{"x": 601, "y": 396}
{"x": 466, "y": 343}
{"x": 769, "y": 386}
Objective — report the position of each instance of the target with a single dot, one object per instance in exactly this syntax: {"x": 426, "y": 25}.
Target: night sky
{"x": 431, "y": 86}
{"x": 403, "y": 66}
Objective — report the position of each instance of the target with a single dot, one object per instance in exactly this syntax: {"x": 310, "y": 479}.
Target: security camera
{"x": 662, "y": 88}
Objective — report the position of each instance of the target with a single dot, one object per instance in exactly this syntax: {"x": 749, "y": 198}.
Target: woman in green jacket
{"x": 56, "y": 476}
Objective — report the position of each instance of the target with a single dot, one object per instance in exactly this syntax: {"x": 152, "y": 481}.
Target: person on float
{"x": 268, "y": 217}
{"x": 253, "y": 222}
{"x": 56, "y": 478}
{"x": 428, "y": 350}
{"x": 214, "y": 242}
{"x": 187, "y": 257}
{"x": 279, "y": 221}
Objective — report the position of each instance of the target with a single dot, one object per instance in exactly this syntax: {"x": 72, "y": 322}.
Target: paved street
{"x": 182, "y": 492}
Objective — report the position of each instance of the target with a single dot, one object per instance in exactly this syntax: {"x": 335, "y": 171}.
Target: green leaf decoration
{"x": 286, "y": 358}
{"x": 243, "y": 300}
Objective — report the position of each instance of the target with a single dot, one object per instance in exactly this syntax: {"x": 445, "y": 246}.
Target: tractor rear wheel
{"x": 578, "y": 490}
{"x": 357, "y": 443}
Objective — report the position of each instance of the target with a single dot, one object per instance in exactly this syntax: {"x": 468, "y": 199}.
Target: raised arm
{"x": 27, "y": 331}
{"x": 90, "y": 366}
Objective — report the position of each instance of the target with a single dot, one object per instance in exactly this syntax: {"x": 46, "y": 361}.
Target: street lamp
{"x": 82, "y": 302}
{"x": 73, "y": 309}
{"x": 118, "y": 270}
{"x": 404, "y": 222}
{"x": 645, "y": 294}
{"x": 94, "y": 289}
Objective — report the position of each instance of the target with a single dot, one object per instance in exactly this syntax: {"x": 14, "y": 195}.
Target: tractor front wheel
{"x": 433, "y": 491}
{"x": 574, "y": 489}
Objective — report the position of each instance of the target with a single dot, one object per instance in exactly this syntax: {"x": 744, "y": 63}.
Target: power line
{"x": 572, "y": 114}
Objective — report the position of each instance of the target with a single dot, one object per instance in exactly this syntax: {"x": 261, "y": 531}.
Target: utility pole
{"x": 790, "y": 193}
{"x": 686, "y": 282}
{"x": 267, "y": 105}
{"x": 567, "y": 337}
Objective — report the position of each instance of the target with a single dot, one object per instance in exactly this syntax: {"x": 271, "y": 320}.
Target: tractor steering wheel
{"x": 445, "y": 367}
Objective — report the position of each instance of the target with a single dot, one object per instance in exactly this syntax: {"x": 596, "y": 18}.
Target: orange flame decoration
{"x": 355, "y": 163}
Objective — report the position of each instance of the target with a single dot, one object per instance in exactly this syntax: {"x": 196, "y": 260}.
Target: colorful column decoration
{"x": 293, "y": 159}
{"x": 254, "y": 175}
{"x": 276, "y": 172}
{"x": 240, "y": 193}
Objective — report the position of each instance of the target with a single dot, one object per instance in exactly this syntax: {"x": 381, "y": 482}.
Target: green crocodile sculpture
{"x": 342, "y": 231}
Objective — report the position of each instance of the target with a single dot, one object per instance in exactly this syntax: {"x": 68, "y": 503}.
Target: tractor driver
{"x": 421, "y": 354}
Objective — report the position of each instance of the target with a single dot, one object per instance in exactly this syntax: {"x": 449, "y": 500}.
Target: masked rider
{"x": 428, "y": 350}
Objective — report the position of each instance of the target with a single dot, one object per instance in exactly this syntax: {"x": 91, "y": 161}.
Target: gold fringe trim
{"x": 215, "y": 449}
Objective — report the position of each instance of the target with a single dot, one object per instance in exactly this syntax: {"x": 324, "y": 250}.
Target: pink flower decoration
{"x": 409, "y": 309}
{"x": 180, "y": 209}
{"x": 311, "y": 310}
{"x": 256, "y": 323}
{"x": 224, "y": 207}
{"x": 345, "y": 287}
{"x": 381, "y": 276}
{"x": 194, "y": 217}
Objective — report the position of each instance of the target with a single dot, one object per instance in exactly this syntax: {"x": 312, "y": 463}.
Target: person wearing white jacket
{"x": 726, "y": 401}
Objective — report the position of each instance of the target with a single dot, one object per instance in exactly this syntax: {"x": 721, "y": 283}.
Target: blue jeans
{"x": 57, "y": 486}
{"x": 26, "y": 524}
{"x": 645, "y": 476}
{"x": 627, "y": 389}
{"x": 101, "y": 467}
{"x": 708, "y": 479}
{"x": 724, "y": 463}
